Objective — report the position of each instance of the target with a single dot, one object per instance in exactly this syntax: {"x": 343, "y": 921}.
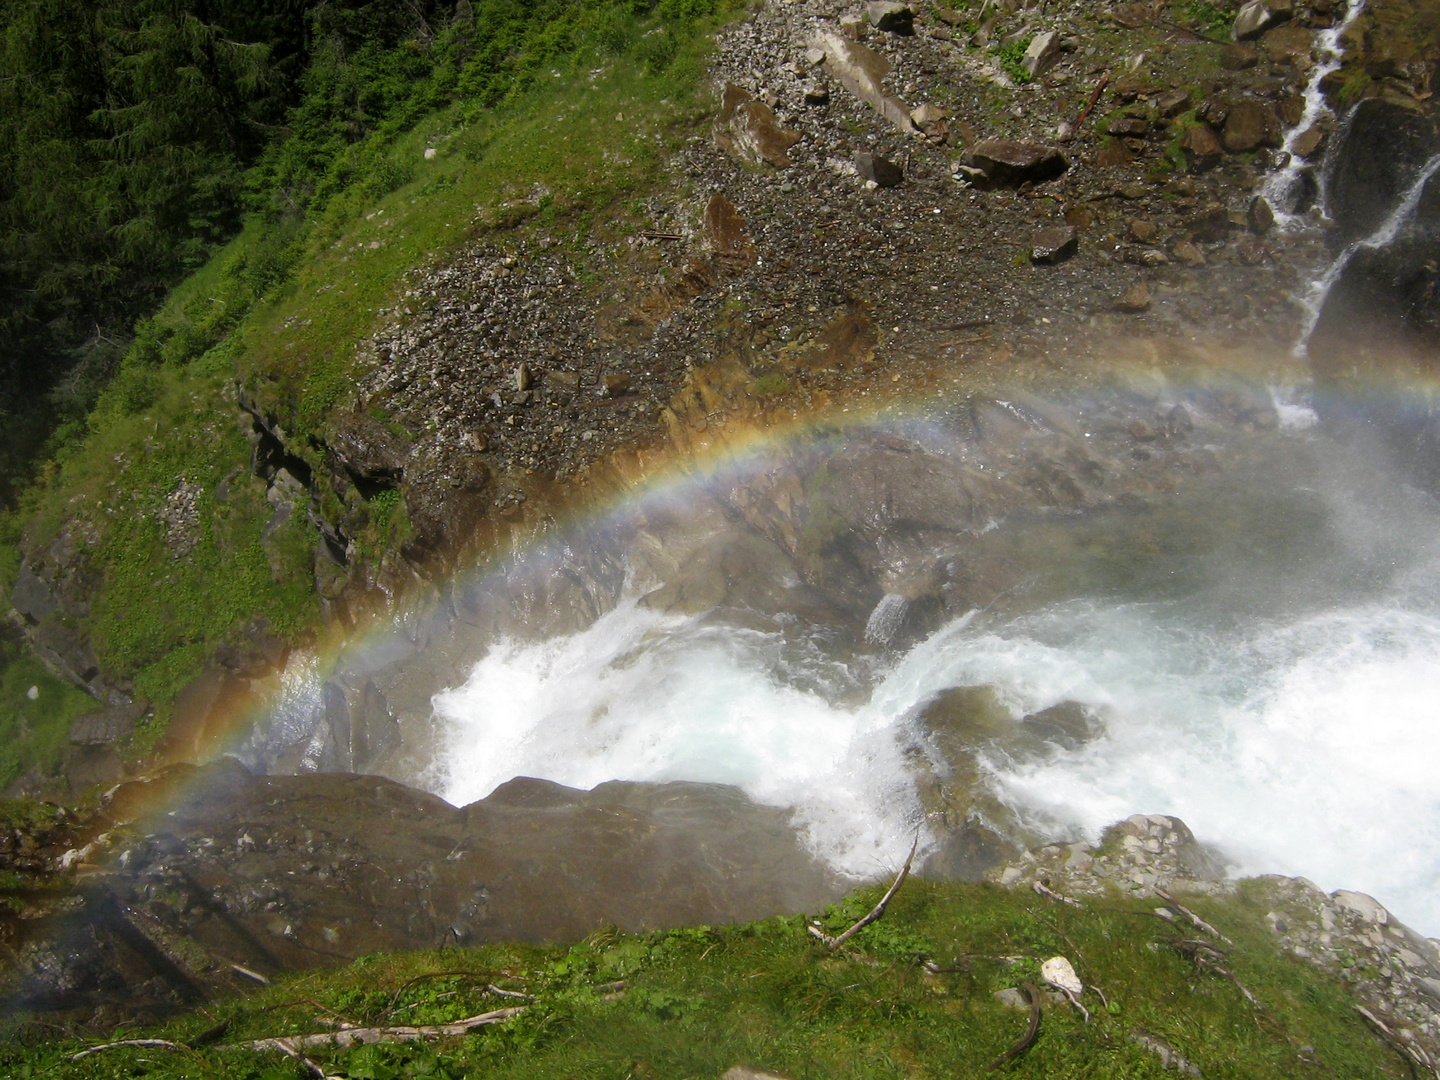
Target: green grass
{"x": 34, "y": 732}
{"x": 1207, "y": 19}
{"x": 1012, "y": 60}
{"x": 697, "y": 1001}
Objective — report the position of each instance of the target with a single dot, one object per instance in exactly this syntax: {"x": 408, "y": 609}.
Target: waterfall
{"x": 1382, "y": 236}
{"x": 887, "y": 618}
{"x": 1280, "y": 189}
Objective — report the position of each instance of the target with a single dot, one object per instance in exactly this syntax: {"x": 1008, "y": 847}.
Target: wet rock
{"x": 1053, "y": 244}
{"x": 1202, "y": 150}
{"x": 1188, "y": 253}
{"x": 878, "y": 170}
{"x": 1238, "y": 58}
{"x": 1259, "y": 216}
{"x": 860, "y": 70}
{"x": 1250, "y": 124}
{"x": 1143, "y": 231}
{"x": 1043, "y": 50}
{"x": 1134, "y": 299}
{"x": 1252, "y": 20}
{"x": 1127, "y": 126}
{"x": 1113, "y": 154}
{"x": 443, "y": 498}
{"x": 1209, "y": 224}
{"x": 1309, "y": 142}
{"x": 748, "y": 129}
{"x": 1379, "y": 154}
{"x": 1173, "y": 102}
{"x": 363, "y": 449}
{"x": 615, "y": 385}
{"x": 93, "y": 766}
{"x": 1009, "y": 164}
{"x": 891, "y": 17}
{"x": 1288, "y": 44}
{"x": 108, "y": 725}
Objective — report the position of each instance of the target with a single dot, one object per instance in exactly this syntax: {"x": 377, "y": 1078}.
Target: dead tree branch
{"x": 875, "y": 912}
{"x": 1033, "y": 995}
{"x": 161, "y": 1043}
{"x": 1398, "y": 1041}
{"x": 1199, "y": 923}
{"x": 344, "y": 1038}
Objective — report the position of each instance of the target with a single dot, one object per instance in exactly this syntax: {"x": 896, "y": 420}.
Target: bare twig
{"x": 875, "y": 912}
{"x": 1208, "y": 956}
{"x": 1050, "y": 894}
{"x": 1415, "y": 1054}
{"x": 162, "y": 1043}
{"x": 1033, "y": 995}
{"x": 651, "y": 234}
{"x": 395, "y": 1000}
{"x": 283, "y": 1045}
{"x": 1094, "y": 100}
{"x": 1076, "y": 1002}
{"x": 347, "y": 1037}
{"x": 1200, "y": 924}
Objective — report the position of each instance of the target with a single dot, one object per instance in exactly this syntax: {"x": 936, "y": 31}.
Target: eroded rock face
{"x": 284, "y": 873}
{"x": 748, "y": 129}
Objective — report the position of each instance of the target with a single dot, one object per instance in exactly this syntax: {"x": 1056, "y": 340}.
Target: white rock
{"x": 430, "y": 153}
{"x": 1060, "y": 973}
{"x": 1041, "y": 52}
{"x": 1367, "y": 907}
{"x": 1253, "y": 18}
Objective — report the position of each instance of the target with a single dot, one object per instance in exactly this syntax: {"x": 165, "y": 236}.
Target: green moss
{"x": 1355, "y": 86}
{"x": 699, "y": 1000}
{"x": 34, "y": 732}
{"x": 772, "y": 385}
{"x": 1012, "y": 60}
{"x": 1207, "y": 19}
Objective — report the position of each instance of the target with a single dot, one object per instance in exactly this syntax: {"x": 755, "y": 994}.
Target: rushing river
{"x": 1262, "y": 648}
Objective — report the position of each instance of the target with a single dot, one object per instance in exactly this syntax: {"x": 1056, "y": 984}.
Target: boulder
{"x": 748, "y": 129}
{"x": 32, "y": 597}
{"x": 1375, "y": 157}
{"x": 108, "y": 725}
{"x": 1009, "y": 164}
{"x": 892, "y": 17}
{"x": 1201, "y": 148}
{"x": 1041, "y": 53}
{"x": 1135, "y": 299}
{"x": 1259, "y": 216}
{"x": 1252, "y": 21}
{"x": 725, "y": 234}
{"x": 1173, "y": 102}
{"x": 1053, "y": 244}
{"x": 860, "y": 70}
{"x": 1250, "y": 124}
{"x": 367, "y": 451}
{"x": 1309, "y": 142}
{"x": 878, "y": 170}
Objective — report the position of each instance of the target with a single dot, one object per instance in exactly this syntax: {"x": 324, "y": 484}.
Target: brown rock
{"x": 1010, "y": 164}
{"x": 892, "y": 17}
{"x": 615, "y": 385}
{"x": 1082, "y": 217}
{"x": 1134, "y": 299}
{"x": 747, "y": 129}
{"x": 725, "y": 234}
{"x": 1188, "y": 253}
{"x": 1143, "y": 231}
{"x": 1259, "y": 217}
{"x": 1250, "y": 124}
{"x": 1132, "y": 126}
{"x": 1292, "y": 108}
{"x": 1053, "y": 244}
{"x": 1201, "y": 148}
{"x": 1173, "y": 103}
{"x": 1251, "y": 251}
{"x": 1209, "y": 224}
{"x": 1308, "y": 143}
{"x": 1238, "y": 57}
{"x": 878, "y": 170}
{"x": 1288, "y": 44}
{"x": 1113, "y": 154}
{"x": 108, "y": 725}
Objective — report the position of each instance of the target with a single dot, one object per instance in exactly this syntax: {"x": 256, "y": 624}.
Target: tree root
{"x": 162, "y": 1043}
{"x": 1398, "y": 1041}
{"x": 1199, "y": 923}
{"x": 346, "y": 1037}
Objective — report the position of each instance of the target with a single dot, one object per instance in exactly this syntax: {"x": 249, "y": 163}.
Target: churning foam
{"x": 1307, "y": 748}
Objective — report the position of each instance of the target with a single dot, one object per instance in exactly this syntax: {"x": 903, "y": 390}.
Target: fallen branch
{"x": 1200, "y": 924}
{"x": 1033, "y": 995}
{"x": 651, "y": 234}
{"x": 1094, "y": 100}
{"x": 1050, "y": 894}
{"x": 876, "y": 911}
{"x": 289, "y": 1051}
{"x": 162, "y": 1043}
{"x": 1208, "y": 956}
{"x": 348, "y": 1037}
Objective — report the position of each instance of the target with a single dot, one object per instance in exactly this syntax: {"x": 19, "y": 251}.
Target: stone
{"x": 1209, "y": 225}
{"x": 748, "y": 129}
{"x": 32, "y": 597}
{"x": 1259, "y": 216}
{"x": 878, "y": 170}
{"x": 1201, "y": 149}
{"x": 741, "y": 1072}
{"x": 1041, "y": 53}
{"x": 1362, "y": 904}
{"x": 1060, "y": 973}
{"x": 892, "y": 17}
{"x": 1113, "y": 154}
{"x": 1188, "y": 253}
{"x": 950, "y": 17}
{"x": 1010, "y": 164}
{"x": 524, "y": 377}
{"x": 1238, "y": 57}
{"x": 1308, "y": 143}
{"x": 1252, "y": 21}
{"x": 1134, "y": 299}
{"x": 365, "y": 450}
{"x": 725, "y": 234}
{"x": 108, "y": 725}
{"x": 1127, "y": 126}
{"x": 1082, "y": 217}
{"x": 852, "y": 26}
{"x": 1053, "y": 244}
{"x": 1013, "y": 998}
{"x": 1250, "y": 251}
{"x": 928, "y": 114}
{"x": 93, "y": 766}
{"x": 1249, "y": 125}
{"x": 1173, "y": 102}
{"x": 1143, "y": 230}
{"x": 815, "y": 94}
{"x": 1289, "y": 44}
{"x": 860, "y": 70}
{"x": 615, "y": 385}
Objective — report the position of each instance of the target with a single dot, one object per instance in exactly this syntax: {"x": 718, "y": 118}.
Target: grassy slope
{"x": 573, "y": 156}
{"x": 700, "y": 1000}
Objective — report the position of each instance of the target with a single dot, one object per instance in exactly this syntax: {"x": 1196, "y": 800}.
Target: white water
{"x": 1328, "y": 56}
{"x": 1388, "y": 229}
